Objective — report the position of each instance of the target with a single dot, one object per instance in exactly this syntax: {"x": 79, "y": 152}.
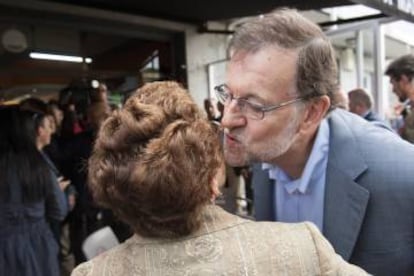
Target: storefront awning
{"x": 403, "y": 9}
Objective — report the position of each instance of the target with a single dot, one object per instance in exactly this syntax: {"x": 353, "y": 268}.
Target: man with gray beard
{"x": 314, "y": 162}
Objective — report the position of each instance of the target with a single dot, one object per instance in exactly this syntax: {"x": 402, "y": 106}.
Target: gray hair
{"x": 317, "y": 72}
{"x": 360, "y": 96}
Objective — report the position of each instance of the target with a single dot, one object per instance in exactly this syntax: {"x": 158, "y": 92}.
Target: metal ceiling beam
{"x": 351, "y": 20}
{"x": 359, "y": 26}
{"x": 400, "y": 9}
{"x": 98, "y": 14}
{"x": 363, "y": 19}
{"x": 84, "y": 25}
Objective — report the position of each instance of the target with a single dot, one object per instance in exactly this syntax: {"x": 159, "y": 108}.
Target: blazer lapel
{"x": 263, "y": 192}
{"x": 345, "y": 199}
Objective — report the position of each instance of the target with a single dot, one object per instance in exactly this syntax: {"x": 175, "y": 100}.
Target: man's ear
{"x": 404, "y": 79}
{"x": 404, "y": 82}
{"x": 315, "y": 112}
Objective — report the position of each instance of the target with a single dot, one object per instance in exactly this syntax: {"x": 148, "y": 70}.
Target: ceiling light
{"x": 46, "y": 56}
{"x": 95, "y": 84}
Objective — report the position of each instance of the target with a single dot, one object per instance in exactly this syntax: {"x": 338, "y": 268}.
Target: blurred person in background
{"x": 71, "y": 123}
{"x": 29, "y": 197}
{"x": 100, "y": 94}
{"x": 401, "y": 73}
{"x": 54, "y": 149}
{"x": 45, "y": 127}
{"x": 87, "y": 216}
{"x": 360, "y": 103}
{"x": 56, "y": 112}
{"x": 209, "y": 109}
{"x": 158, "y": 164}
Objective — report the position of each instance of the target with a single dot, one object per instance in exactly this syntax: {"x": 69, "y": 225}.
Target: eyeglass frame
{"x": 262, "y": 109}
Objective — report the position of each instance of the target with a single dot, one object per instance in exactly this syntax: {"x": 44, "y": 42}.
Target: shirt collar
{"x": 312, "y": 168}
{"x": 366, "y": 113}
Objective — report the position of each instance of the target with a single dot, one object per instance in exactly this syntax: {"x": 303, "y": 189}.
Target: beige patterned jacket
{"x": 226, "y": 245}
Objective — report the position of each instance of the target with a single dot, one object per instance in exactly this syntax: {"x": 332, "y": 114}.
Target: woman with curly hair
{"x": 157, "y": 163}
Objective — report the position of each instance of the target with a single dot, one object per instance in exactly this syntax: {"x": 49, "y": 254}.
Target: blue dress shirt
{"x": 302, "y": 199}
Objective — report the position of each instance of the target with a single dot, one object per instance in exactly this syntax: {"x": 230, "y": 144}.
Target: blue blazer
{"x": 369, "y": 195}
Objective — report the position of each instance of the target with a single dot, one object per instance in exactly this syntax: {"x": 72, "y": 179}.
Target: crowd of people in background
{"x": 63, "y": 139}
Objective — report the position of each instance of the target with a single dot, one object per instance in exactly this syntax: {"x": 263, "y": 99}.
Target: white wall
{"x": 202, "y": 49}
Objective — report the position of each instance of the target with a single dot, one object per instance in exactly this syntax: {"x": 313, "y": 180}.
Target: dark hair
{"x": 39, "y": 109}
{"x": 53, "y": 103}
{"x": 70, "y": 117}
{"x": 403, "y": 65}
{"x": 34, "y": 105}
{"x": 317, "y": 73}
{"x": 154, "y": 161}
{"x": 51, "y": 106}
{"x": 20, "y": 161}
{"x": 38, "y": 120}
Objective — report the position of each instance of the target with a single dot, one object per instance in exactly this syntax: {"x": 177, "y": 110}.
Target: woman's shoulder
{"x": 304, "y": 242}
{"x": 281, "y": 230}
{"x": 83, "y": 269}
{"x": 115, "y": 261}
{"x": 101, "y": 263}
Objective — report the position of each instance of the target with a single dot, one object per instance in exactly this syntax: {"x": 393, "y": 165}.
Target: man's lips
{"x": 231, "y": 140}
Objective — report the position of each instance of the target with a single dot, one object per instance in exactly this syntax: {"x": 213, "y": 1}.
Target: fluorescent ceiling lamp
{"x": 95, "y": 83}
{"x": 45, "y": 56}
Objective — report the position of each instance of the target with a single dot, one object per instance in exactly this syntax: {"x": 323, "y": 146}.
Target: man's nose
{"x": 232, "y": 117}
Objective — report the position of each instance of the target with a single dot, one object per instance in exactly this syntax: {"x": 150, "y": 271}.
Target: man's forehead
{"x": 268, "y": 51}
{"x": 263, "y": 70}
{"x": 267, "y": 60}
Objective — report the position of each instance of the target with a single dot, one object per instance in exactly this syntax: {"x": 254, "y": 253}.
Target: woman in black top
{"x": 29, "y": 196}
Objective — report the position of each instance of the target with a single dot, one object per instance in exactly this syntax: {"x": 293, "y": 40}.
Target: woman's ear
{"x": 218, "y": 182}
{"x": 39, "y": 131}
{"x": 215, "y": 190}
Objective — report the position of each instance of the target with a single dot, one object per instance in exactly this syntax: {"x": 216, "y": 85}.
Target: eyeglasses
{"x": 249, "y": 109}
